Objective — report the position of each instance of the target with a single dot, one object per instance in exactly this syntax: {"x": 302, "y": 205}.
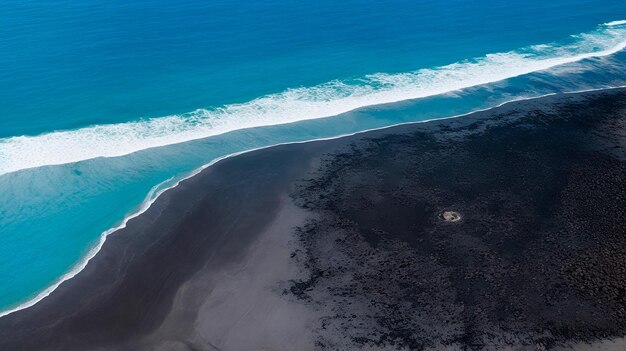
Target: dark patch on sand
{"x": 538, "y": 259}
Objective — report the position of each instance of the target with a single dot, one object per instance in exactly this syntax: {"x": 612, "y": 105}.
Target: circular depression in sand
{"x": 450, "y": 216}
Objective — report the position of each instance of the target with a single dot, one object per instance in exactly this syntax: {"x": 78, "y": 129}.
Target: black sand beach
{"x": 505, "y": 229}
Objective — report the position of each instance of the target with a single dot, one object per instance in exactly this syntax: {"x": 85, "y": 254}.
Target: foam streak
{"x": 299, "y": 104}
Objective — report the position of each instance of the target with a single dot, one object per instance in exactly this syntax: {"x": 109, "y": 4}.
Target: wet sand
{"x": 499, "y": 230}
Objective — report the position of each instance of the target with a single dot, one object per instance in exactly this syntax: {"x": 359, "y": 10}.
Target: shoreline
{"x": 163, "y": 279}
{"x": 145, "y": 205}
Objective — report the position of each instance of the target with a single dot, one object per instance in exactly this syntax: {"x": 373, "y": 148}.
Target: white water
{"x": 615, "y": 23}
{"x": 154, "y": 193}
{"x": 299, "y": 104}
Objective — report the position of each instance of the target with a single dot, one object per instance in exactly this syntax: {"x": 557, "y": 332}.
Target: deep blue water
{"x": 161, "y": 88}
{"x": 69, "y": 64}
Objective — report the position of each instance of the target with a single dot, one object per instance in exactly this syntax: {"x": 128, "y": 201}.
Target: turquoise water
{"x": 104, "y": 105}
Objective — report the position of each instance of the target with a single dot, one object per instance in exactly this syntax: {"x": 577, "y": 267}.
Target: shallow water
{"x": 215, "y": 79}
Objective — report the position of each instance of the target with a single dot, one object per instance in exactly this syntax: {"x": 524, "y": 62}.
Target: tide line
{"x": 153, "y": 195}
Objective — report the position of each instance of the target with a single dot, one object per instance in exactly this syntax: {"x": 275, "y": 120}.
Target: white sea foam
{"x": 615, "y": 23}
{"x": 299, "y": 104}
{"x": 159, "y": 189}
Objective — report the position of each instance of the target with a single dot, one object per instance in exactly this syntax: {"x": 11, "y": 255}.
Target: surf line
{"x": 153, "y": 194}
{"x": 305, "y": 103}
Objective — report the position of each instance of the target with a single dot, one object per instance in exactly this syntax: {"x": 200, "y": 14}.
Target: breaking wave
{"x": 292, "y": 105}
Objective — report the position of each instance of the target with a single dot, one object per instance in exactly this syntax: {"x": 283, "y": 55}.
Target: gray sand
{"x": 243, "y": 304}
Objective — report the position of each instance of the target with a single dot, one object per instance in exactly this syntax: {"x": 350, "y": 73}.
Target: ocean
{"x": 104, "y": 105}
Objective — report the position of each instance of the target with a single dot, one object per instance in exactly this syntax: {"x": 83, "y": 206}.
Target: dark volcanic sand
{"x": 537, "y": 259}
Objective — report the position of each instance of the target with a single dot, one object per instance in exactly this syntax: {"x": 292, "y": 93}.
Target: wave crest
{"x": 615, "y": 23}
{"x": 299, "y": 104}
